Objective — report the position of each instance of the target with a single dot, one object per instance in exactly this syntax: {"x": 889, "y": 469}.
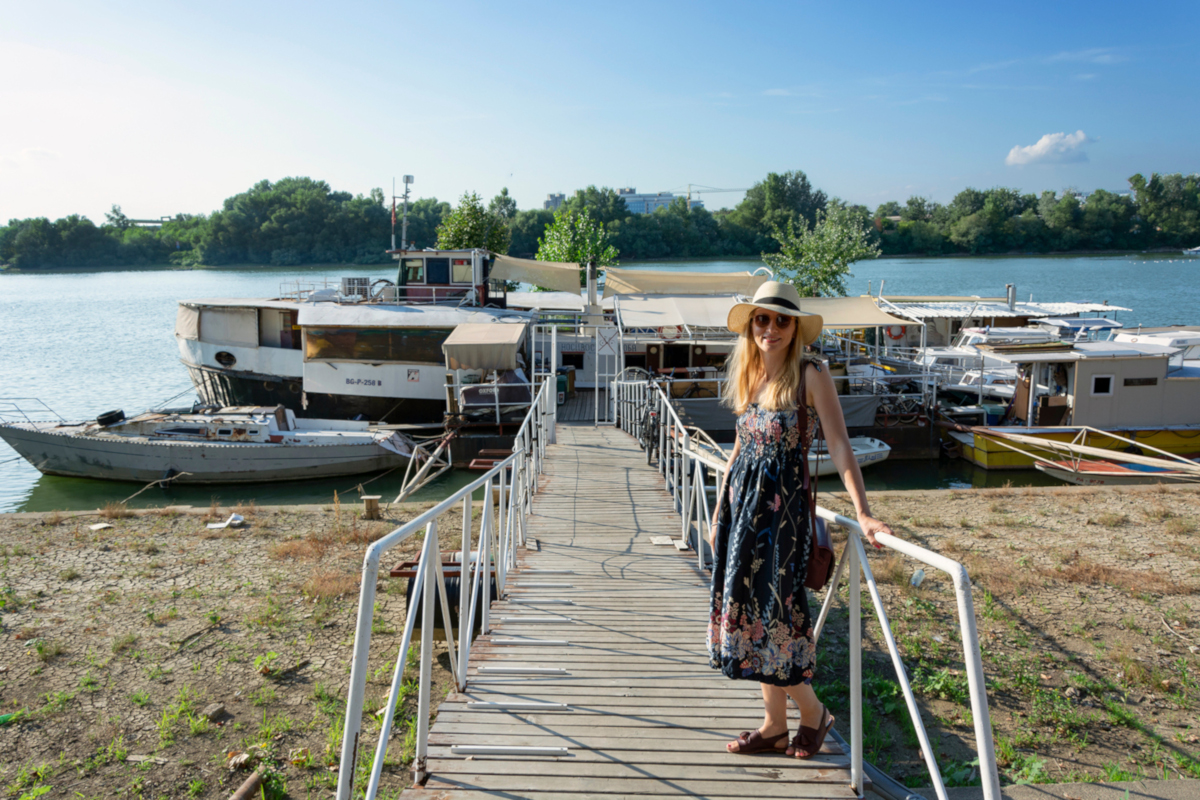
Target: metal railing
{"x": 684, "y": 471}
{"x": 501, "y": 532}
{"x": 27, "y": 409}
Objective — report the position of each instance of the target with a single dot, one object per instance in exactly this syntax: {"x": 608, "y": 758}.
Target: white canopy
{"x": 556, "y": 275}
{"x": 644, "y": 281}
{"x": 483, "y": 346}
{"x": 702, "y": 311}
{"x": 552, "y": 301}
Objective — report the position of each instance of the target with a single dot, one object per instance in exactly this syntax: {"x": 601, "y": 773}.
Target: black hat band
{"x": 778, "y": 301}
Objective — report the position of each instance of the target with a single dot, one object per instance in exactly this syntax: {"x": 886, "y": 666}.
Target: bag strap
{"x": 810, "y": 479}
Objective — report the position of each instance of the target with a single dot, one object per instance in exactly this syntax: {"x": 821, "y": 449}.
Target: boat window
{"x": 1102, "y": 385}
{"x": 460, "y": 270}
{"x": 253, "y": 431}
{"x": 224, "y": 432}
{"x": 437, "y": 271}
{"x": 1140, "y": 382}
{"x": 406, "y": 345}
{"x": 573, "y": 360}
{"x": 192, "y": 431}
{"x": 414, "y": 270}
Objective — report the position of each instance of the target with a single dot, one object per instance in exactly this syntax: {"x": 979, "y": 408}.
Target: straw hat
{"x": 781, "y": 298}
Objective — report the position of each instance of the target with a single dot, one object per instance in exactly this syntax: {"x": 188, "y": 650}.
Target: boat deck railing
{"x": 686, "y": 475}
{"x": 27, "y": 409}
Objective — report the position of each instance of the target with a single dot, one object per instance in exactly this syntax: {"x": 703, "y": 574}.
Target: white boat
{"x": 1192, "y": 251}
{"x": 1101, "y": 472}
{"x": 867, "y": 451}
{"x": 229, "y": 445}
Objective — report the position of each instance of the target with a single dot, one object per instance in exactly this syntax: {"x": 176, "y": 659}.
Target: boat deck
{"x": 616, "y": 626}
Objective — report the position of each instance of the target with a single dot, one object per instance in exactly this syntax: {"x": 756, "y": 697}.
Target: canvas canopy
{"x": 555, "y": 275}
{"x": 336, "y": 315}
{"x": 187, "y": 323}
{"x": 483, "y": 346}
{"x": 552, "y": 301}
{"x": 231, "y": 326}
{"x": 658, "y": 311}
{"x": 642, "y": 281}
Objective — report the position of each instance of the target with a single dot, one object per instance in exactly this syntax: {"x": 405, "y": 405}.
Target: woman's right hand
{"x": 712, "y": 536}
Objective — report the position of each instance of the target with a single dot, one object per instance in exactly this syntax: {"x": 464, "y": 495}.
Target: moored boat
{"x": 1099, "y": 472}
{"x": 229, "y": 445}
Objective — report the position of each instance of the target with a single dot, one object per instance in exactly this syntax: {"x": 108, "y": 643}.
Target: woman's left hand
{"x": 871, "y": 526}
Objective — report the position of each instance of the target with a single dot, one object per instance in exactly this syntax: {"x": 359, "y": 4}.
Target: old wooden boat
{"x": 227, "y": 445}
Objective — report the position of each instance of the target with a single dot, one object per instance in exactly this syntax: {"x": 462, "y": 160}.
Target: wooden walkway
{"x": 633, "y": 701}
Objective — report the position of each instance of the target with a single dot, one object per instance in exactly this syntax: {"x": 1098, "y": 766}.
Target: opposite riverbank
{"x": 115, "y": 641}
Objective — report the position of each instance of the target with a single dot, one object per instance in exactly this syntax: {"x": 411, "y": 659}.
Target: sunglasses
{"x": 782, "y": 321}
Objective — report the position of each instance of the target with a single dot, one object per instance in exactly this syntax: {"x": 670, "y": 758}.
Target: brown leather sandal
{"x": 807, "y": 742}
{"x": 753, "y": 742}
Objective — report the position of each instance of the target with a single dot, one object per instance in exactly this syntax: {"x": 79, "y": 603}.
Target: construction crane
{"x": 694, "y": 188}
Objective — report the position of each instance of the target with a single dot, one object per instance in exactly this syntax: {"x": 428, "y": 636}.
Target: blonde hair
{"x": 744, "y": 370}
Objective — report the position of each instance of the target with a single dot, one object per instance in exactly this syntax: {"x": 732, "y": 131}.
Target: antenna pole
{"x": 393, "y": 213}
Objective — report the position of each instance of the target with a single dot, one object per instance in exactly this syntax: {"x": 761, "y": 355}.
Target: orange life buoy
{"x": 894, "y": 331}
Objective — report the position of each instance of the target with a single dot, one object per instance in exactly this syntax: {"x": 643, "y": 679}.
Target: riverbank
{"x": 114, "y": 641}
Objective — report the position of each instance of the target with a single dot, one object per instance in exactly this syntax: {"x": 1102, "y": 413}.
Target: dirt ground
{"x": 113, "y": 643}
{"x": 1089, "y": 623}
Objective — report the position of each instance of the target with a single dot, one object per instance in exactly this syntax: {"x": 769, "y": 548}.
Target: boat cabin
{"x": 1107, "y": 385}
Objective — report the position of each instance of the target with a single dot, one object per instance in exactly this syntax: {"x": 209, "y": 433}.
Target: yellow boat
{"x": 986, "y": 452}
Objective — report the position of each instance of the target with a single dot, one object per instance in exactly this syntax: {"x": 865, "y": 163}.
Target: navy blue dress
{"x": 759, "y": 628}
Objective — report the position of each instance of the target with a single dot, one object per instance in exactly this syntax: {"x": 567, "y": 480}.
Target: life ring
{"x": 898, "y": 334}
{"x": 670, "y": 332}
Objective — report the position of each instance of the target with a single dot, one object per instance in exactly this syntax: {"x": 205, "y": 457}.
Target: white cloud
{"x": 1093, "y": 55}
{"x": 1053, "y": 148}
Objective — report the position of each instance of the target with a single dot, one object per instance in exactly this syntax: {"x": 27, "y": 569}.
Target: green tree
{"x": 1170, "y": 205}
{"x": 773, "y": 201}
{"x": 889, "y": 209}
{"x": 603, "y": 205}
{"x": 503, "y": 206}
{"x": 917, "y": 209}
{"x": 117, "y": 218}
{"x": 575, "y": 238}
{"x": 471, "y": 225}
{"x": 527, "y": 227}
{"x": 817, "y": 260}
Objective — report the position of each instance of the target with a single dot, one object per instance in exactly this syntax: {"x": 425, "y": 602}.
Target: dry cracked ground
{"x": 114, "y": 643}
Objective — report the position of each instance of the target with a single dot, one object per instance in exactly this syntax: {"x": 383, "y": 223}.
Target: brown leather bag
{"x": 820, "y": 560}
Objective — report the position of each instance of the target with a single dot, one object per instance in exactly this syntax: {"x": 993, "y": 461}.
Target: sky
{"x": 165, "y": 108}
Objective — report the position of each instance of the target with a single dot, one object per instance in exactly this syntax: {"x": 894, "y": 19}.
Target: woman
{"x": 760, "y": 627}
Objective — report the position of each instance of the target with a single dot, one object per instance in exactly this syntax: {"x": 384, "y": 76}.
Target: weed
{"x": 265, "y": 664}
{"x": 1026, "y": 769}
{"x": 139, "y": 699}
{"x": 1178, "y": 526}
{"x": 196, "y": 788}
{"x": 124, "y": 642}
{"x": 57, "y": 701}
{"x": 47, "y": 650}
{"x": 197, "y": 724}
{"x": 68, "y": 574}
{"x": 213, "y": 618}
{"x": 945, "y": 683}
{"x": 326, "y": 583}
{"x": 115, "y": 510}
{"x": 264, "y": 695}
{"x": 1109, "y": 520}
{"x": 88, "y": 682}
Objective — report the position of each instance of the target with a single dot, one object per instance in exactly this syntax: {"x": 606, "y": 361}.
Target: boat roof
{"x": 242, "y": 302}
{"x": 1085, "y": 351}
{"x": 1175, "y": 338}
{"x": 335, "y": 315}
{"x": 712, "y": 311}
{"x": 1081, "y": 323}
{"x": 553, "y": 301}
{"x": 994, "y": 309}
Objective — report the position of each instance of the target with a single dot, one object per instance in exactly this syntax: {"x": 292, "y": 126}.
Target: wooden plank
{"x": 754, "y": 771}
{"x": 528, "y": 785}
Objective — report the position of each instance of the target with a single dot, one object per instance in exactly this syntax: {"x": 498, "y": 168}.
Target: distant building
{"x": 649, "y": 203}
{"x": 553, "y": 201}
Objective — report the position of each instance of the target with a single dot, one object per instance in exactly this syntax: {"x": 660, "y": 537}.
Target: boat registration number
{"x": 363, "y": 382}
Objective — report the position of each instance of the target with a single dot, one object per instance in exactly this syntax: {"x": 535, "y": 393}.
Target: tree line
{"x": 304, "y": 221}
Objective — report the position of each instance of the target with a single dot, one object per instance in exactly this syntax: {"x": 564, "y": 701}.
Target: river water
{"x": 87, "y": 342}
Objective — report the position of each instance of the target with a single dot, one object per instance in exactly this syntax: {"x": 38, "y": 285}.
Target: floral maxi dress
{"x": 759, "y": 627}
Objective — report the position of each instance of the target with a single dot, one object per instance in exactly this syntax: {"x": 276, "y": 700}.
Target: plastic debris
{"x": 917, "y": 577}
{"x": 234, "y": 521}
{"x": 99, "y": 526}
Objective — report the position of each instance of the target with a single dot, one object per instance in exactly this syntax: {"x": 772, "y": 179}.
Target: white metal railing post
{"x": 358, "y": 671}
{"x": 856, "y": 731}
{"x": 485, "y": 560}
{"x": 427, "y": 621}
{"x": 687, "y": 484}
{"x": 464, "y": 591}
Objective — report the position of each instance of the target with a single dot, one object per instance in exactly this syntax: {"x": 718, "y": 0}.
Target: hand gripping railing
{"x": 684, "y": 470}
{"x": 501, "y": 531}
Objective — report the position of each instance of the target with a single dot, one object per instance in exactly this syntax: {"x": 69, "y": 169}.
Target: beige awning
{"x": 659, "y": 311}
{"x": 644, "y": 281}
{"x": 851, "y": 312}
{"x": 555, "y": 275}
{"x": 187, "y": 323}
{"x": 483, "y": 346}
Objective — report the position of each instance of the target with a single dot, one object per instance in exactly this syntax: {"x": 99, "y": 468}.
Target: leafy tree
{"x": 817, "y": 260}
{"x": 1170, "y": 204}
{"x": 471, "y": 225}
{"x": 503, "y": 206}
{"x": 603, "y": 205}
{"x": 574, "y": 237}
{"x": 965, "y": 203}
{"x": 889, "y": 209}
{"x": 917, "y": 209}
{"x": 527, "y": 227}
{"x": 117, "y": 218}
{"x": 772, "y": 202}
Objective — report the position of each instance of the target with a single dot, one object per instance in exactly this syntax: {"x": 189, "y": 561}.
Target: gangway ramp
{"x": 594, "y": 680}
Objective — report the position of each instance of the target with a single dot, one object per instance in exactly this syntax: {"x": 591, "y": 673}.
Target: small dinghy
{"x": 1111, "y": 473}
{"x": 245, "y": 444}
{"x": 867, "y": 451}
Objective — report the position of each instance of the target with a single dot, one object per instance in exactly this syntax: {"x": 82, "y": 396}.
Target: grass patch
{"x": 115, "y": 510}
{"x": 325, "y": 584}
{"x": 1076, "y": 569}
{"x": 1109, "y": 520}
